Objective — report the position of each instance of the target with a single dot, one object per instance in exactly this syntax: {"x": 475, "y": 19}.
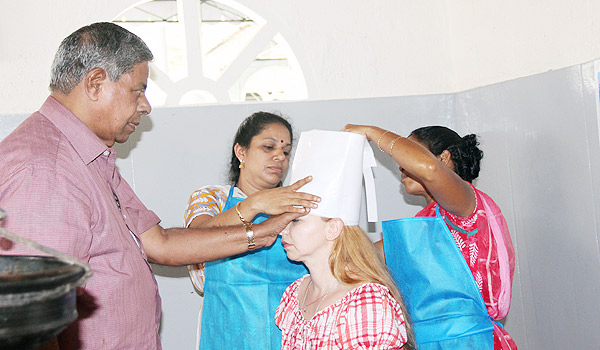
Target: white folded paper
{"x": 338, "y": 162}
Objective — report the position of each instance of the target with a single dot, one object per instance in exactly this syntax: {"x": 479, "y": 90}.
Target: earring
{"x": 241, "y": 165}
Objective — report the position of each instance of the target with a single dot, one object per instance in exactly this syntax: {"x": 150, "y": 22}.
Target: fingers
{"x": 296, "y": 185}
{"x": 296, "y": 205}
{"x": 275, "y": 224}
{"x": 308, "y": 203}
{"x": 303, "y": 198}
{"x": 348, "y": 127}
{"x": 357, "y": 129}
{"x": 287, "y": 217}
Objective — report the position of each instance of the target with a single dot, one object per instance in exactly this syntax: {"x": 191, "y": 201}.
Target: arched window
{"x": 213, "y": 52}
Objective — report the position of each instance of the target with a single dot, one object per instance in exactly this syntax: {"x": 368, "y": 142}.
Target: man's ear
{"x": 93, "y": 83}
{"x": 240, "y": 152}
{"x": 334, "y": 228}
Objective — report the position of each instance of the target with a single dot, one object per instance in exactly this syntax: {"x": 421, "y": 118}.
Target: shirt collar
{"x": 87, "y": 144}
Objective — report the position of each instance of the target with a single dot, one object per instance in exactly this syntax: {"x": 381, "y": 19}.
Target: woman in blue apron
{"x": 454, "y": 261}
{"x": 241, "y": 292}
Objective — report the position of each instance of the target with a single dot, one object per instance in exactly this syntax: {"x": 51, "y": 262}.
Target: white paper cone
{"x": 337, "y": 161}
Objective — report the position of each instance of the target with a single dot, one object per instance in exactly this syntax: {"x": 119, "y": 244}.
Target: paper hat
{"x": 338, "y": 162}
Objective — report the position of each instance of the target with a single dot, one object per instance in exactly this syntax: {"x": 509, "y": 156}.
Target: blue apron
{"x": 446, "y": 307}
{"x": 241, "y": 294}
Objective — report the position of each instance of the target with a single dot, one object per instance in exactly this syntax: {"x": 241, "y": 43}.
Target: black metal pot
{"x": 37, "y": 299}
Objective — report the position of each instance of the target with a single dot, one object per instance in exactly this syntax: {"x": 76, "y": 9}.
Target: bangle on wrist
{"x": 248, "y": 226}
{"x": 393, "y": 143}
{"x": 379, "y": 140}
{"x": 237, "y": 210}
{"x": 250, "y": 237}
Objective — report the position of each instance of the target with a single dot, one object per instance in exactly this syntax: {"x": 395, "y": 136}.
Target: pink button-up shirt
{"x": 57, "y": 180}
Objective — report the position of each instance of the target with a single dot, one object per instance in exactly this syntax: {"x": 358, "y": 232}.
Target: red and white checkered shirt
{"x": 368, "y": 317}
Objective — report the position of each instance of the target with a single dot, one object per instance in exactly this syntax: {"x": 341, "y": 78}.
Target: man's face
{"x": 123, "y": 103}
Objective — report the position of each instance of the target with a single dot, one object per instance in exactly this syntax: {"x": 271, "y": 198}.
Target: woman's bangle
{"x": 379, "y": 140}
{"x": 246, "y": 223}
{"x": 393, "y": 143}
{"x": 250, "y": 237}
{"x": 248, "y": 226}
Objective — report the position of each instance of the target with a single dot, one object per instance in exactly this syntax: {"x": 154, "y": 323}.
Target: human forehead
{"x": 275, "y": 132}
{"x": 313, "y": 218}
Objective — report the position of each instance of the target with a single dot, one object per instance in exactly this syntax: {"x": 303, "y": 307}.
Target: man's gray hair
{"x": 98, "y": 45}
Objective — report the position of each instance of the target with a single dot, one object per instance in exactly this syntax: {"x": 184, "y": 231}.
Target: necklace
{"x": 305, "y": 306}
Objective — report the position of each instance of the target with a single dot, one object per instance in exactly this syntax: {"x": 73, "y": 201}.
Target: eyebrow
{"x": 275, "y": 140}
{"x": 140, "y": 86}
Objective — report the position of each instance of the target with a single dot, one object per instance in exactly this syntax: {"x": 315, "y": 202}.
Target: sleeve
{"x": 49, "y": 207}
{"x": 374, "y": 321}
{"x": 142, "y": 219}
{"x": 284, "y": 312}
{"x": 208, "y": 200}
{"x": 281, "y": 309}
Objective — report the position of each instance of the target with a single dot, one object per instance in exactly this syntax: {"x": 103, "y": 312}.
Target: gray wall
{"x": 542, "y": 164}
{"x": 541, "y": 144}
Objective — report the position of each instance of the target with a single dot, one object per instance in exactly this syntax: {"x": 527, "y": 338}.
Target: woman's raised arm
{"x": 436, "y": 174}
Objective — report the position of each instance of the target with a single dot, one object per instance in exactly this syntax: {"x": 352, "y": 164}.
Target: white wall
{"x": 347, "y": 48}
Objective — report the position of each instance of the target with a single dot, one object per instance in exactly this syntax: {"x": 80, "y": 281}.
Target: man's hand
{"x": 266, "y": 232}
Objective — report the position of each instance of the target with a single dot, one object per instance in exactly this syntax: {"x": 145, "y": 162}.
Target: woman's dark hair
{"x": 464, "y": 152}
{"x": 250, "y": 127}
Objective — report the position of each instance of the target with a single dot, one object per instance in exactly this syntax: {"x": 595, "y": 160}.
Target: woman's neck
{"x": 428, "y": 197}
{"x": 246, "y": 187}
{"x": 321, "y": 275}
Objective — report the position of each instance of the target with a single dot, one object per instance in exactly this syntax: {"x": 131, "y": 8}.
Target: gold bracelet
{"x": 250, "y": 237}
{"x": 379, "y": 140}
{"x": 246, "y": 223}
{"x": 393, "y": 143}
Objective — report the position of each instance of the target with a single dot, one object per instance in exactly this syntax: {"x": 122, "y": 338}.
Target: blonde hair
{"x": 355, "y": 260}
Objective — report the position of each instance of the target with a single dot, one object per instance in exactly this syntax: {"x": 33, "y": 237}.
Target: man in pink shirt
{"x": 59, "y": 187}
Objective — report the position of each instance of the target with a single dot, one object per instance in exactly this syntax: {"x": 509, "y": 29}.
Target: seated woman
{"x": 242, "y": 292}
{"x": 349, "y": 300}
{"x": 455, "y": 257}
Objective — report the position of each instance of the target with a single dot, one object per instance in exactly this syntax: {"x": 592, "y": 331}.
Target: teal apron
{"x": 241, "y": 294}
{"x": 446, "y": 307}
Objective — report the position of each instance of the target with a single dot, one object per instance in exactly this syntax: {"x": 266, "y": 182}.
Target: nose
{"x": 286, "y": 230}
{"x": 144, "y": 105}
{"x": 279, "y": 155}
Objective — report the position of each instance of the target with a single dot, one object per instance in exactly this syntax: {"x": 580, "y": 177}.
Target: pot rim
{"x": 55, "y": 273}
